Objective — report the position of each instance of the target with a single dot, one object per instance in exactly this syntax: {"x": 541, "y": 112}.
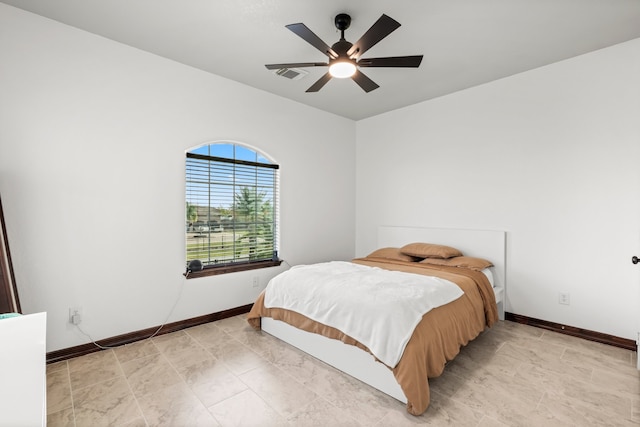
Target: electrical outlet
{"x": 563, "y": 298}
{"x": 75, "y": 315}
{"x": 256, "y": 281}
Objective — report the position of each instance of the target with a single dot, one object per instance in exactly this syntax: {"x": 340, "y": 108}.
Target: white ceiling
{"x": 464, "y": 42}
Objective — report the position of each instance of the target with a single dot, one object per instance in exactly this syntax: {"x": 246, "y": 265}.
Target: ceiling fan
{"x": 344, "y": 57}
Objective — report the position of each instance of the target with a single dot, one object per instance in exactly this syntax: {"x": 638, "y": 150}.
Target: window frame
{"x": 242, "y": 265}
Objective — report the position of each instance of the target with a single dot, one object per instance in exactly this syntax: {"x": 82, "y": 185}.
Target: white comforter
{"x": 379, "y": 308}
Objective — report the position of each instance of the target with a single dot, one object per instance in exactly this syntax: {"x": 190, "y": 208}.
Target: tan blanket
{"x": 437, "y": 338}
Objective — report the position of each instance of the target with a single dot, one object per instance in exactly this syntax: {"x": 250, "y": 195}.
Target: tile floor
{"x": 226, "y": 374}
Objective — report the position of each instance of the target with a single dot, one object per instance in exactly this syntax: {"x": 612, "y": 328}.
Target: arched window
{"x": 231, "y": 209}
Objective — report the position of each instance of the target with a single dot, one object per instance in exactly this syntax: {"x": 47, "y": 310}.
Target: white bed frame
{"x": 360, "y": 364}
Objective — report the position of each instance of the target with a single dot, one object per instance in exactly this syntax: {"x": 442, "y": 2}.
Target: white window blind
{"x": 231, "y": 208}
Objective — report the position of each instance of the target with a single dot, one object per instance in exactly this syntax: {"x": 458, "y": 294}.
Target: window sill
{"x": 234, "y": 268}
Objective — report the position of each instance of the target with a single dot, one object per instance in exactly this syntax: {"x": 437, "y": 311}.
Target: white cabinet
{"x": 23, "y": 383}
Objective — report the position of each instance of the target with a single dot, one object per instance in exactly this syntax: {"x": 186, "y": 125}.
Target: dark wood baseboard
{"x": 80, "y": 350}
{"x": 573, "y": 331}
{"x": 131, "y": 337}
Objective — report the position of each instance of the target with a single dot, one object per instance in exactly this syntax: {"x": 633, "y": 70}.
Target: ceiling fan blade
{"x": 379, "y": 30}
{"x": 296, "y": 65}
{"x": 364, "y": 82}
{"x": 320, "y": 83}
{"x": 392, "y": 61}
{"x": 310, "y": 37}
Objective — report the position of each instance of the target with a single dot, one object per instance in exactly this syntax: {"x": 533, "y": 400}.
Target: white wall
{"x": 92, "y": 141}
{"x": 551, "y": 156}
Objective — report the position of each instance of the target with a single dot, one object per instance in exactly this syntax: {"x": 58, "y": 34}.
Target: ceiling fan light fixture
{"x": 342, "y": 69}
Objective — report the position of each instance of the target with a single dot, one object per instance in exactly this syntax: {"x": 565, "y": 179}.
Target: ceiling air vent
{"x": 291, "y": 73}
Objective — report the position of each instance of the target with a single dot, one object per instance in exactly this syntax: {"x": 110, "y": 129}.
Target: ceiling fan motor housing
{"x": 341, "y": 47}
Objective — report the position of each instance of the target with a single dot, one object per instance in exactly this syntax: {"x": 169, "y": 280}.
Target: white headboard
{"x": 487, "y": 244}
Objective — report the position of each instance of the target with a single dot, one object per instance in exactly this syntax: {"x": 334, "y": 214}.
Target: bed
{"x": 437, "y": 338}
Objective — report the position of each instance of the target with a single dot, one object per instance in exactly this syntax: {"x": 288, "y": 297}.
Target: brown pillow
{"x": 471, "y": 263}
{"x": 429, "y": 250}
{"x": 392, "y": 253}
